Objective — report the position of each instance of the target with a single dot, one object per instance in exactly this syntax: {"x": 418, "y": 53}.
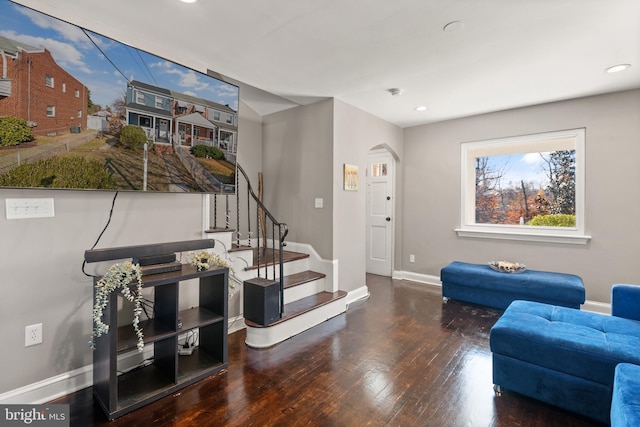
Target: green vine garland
{"x": 118, "y": 276}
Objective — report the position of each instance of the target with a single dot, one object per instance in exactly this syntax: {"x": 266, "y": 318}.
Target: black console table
{"x": 169, "y": 372}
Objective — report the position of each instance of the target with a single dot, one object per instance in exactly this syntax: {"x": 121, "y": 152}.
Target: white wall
{"x": 431, "y": 187}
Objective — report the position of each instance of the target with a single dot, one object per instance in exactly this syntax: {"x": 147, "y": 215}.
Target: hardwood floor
{"x": 402, "y": 358}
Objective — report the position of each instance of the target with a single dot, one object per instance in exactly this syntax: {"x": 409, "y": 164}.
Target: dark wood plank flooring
{"x": 401, "y": 358}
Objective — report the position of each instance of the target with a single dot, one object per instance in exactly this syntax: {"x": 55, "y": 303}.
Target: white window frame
{"x": 76, "y": 93}
{"x": 51, "y": 110}
{"x": 542, "y": 142}
{"x": 64, "y": 88}
{"x": 158, "y": 103}
{"x": 49, "y": 81}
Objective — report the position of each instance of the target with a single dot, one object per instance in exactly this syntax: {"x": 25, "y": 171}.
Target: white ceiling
{"x": 509, "y": 53}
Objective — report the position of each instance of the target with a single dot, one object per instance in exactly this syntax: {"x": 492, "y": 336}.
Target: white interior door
{"x": 380, "y": 202}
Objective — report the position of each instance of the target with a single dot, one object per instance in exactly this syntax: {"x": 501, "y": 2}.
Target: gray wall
{"x": 355, "y": 134}
{"x": 431, "y": 186}
{"x": 41, "y": 260}
{"x": 250, "y": 159}
{"x": 42, "y": 282}
{"x": 304, "y": 151}
{"x": 297, "y": 161}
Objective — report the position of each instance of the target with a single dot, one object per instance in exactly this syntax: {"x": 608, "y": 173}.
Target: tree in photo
{"x": 560, "y": 197}
{"x": 489, "y": 202}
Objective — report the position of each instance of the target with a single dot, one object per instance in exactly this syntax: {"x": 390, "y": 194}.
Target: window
{"x": 51, "y": 110}
{"x": 76, "y": 93}
{"x": 144, "y": 121}
{"x": 139, "y": 97}
{"x": 525, "y": 188}
{"x": 64, "y": 87}
{"x": 378, "y": 169}
{"x": 229, "y": 118}
{"x": 216, "y": 116}
{"x": 48, "y": 80}
{"x": 159, "y": 102}
{"x": 79, "y": 114}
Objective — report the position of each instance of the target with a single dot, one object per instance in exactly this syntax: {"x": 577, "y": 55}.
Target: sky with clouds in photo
{"x": 528, "y": 167}
{"x": 74, "y": 50}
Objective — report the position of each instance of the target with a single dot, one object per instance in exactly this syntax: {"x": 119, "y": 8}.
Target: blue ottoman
{"x": 625, "y": 404}
{"x": 562, "y": 356}
{"x": 479, "y": 284}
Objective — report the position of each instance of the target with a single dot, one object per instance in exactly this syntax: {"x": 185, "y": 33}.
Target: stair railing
{"x": 268, "y": 249}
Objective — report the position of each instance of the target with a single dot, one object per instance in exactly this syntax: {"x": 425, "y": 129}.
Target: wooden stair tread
{"x": 268, "y": 255}
{"x": 220, "y": 230}
{"x": 301, "y": 306}
{"x": 301, "y": 278}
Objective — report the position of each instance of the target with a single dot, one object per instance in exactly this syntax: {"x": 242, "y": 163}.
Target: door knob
{"x": 388, "y": 218}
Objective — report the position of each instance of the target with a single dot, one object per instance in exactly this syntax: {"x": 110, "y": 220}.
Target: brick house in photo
{"x": 34, "y": 87}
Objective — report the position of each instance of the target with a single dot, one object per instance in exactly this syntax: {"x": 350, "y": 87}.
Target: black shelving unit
{"x": 169, "y": 372}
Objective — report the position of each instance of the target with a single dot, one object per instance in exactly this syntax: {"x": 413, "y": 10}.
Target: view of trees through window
{"x": 536, "y": 188}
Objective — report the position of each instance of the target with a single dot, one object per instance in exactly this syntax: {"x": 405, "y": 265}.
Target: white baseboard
{"x": 417, "y": 277}
{"x": 592, "y": 306}
{"x": 357, "y": 295}
{"x": 236, "y": 324}
{"x": 69, "y": 382}
{"x": 61, "y": 385}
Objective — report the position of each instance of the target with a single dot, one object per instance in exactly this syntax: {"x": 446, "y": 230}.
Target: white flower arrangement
{"x": 203, "y": 260}
{"x": 118, "y": 276}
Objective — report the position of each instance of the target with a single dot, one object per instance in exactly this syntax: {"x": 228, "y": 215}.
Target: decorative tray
{"x": 507, "y": 267}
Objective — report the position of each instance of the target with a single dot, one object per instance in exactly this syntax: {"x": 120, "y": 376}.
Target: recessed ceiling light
{"x": 421, "y": 108}
{"x": 188, "y": 1}
{"x": 617, "y": 68}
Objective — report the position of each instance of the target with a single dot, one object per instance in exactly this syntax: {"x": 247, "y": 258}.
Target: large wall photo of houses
{"x": 81, "y": 111}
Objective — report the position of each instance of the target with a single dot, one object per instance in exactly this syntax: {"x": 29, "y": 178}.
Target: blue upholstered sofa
{"x": 625, "y": 405}
{"x": 567, "y": 357}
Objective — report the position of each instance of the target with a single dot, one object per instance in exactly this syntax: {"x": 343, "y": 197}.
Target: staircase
{"x": 308, "y": 288}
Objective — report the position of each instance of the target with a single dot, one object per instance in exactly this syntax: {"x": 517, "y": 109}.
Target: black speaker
{"x": 261, "y": 301}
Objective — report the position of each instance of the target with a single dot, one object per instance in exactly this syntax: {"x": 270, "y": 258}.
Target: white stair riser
{"x": 267, "y": 337}
{"x": 304, "y": 290}
{"x": 223, "y": 240}
{"x": 289, "y": 268}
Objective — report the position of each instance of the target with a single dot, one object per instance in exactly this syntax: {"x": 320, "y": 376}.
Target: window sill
{"x": 525, "y": 237}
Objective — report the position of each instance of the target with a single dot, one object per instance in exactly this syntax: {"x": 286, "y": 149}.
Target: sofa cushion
{"x": 625, "y": 405}
{"x": 584, "y": 344}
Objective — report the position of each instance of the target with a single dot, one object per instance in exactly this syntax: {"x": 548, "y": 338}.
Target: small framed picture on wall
{"x": 350, "y": 177}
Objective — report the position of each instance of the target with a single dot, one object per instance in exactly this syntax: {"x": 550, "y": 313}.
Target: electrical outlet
{"x": 412, "y": 258}
{"x": 33, "y": 334}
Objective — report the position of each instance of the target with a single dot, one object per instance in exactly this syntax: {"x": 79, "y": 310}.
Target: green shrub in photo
{"x": 133, "y": 137}
{"x": 14, "y": 131}
{"x": 59, "y": 172}
{"x": 207, "y": 152}
{"x": 554, "y": 220}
